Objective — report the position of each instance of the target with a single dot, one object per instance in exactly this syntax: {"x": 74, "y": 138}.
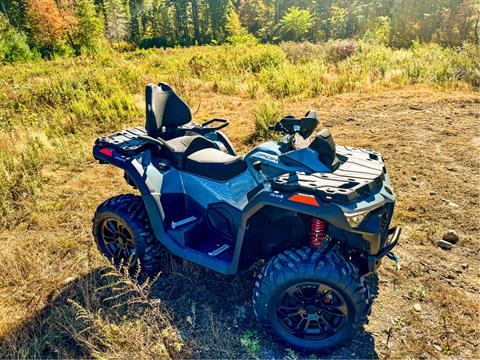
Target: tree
{"x": 218, "y": 12}
{"x": 48, "y": 23}
{"x": 89, "y": 29}
{"x": 236, "y": 33}
{"x": 196, "y": 21}
{"x": 296, "y": 23}
{"x": 136, "y": 31}
{"x": 116, "y": 20}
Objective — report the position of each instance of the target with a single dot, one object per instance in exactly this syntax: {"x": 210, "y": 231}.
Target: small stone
{"x": 464, "y": 266}
{"x": 451, "y": 236}
{"x": 417, "y": 307}
{"x": 68, "y": 280}
{"x": 450, "y": 168}
{"x": 414, "y": 178}
{"x": 437, "y": 347}
{"x": 433, "y": 193}
{"x": 445, "y": 245}
{"x": 415, "y": 107}
{"x": 453, "y": 205}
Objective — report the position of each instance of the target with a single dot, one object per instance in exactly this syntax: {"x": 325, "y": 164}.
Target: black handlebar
{"x": 224, "y": 122}
{"x": 291, "y": 125}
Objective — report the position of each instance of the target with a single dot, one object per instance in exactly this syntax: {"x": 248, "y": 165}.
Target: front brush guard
{"x": 375, "y": 260}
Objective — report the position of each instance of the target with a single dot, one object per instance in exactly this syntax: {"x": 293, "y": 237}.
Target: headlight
{"x": 355, "y": 219}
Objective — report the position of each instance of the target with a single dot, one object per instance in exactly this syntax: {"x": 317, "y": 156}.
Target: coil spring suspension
{"x": 318, "y": 230}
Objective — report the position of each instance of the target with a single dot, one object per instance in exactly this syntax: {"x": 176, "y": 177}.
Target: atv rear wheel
{"x": 122, "y": 231}
{"x": 312, "y": 300}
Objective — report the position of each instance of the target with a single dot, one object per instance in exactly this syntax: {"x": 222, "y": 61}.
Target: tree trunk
{"x": 196, "y": 23}
{"x": 4, "y": 10}
{"x": 477, "y": 29}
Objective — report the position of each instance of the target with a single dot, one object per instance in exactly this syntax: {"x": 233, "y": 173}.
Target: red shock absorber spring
{"x": 318, "y": 231}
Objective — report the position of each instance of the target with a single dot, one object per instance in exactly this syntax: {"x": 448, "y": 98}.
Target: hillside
{"x": 58, "y": 297}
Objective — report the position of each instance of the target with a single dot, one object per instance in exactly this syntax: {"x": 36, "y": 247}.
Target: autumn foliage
{"x": 48, "y": 22}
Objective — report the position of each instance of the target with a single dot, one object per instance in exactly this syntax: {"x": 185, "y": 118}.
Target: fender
{"x": 136, "y": 173}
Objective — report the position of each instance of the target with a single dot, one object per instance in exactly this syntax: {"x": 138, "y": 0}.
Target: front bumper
{"x": 374, "y": 261}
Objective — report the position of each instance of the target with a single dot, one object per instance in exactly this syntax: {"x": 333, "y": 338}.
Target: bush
{"x": 265, "y": 115}
{"x": 155, "y": 42}
{"x": 263, "y": 57}
{"x": 242, "y": 39}
{"x": 299, "y": 53}
{"x": 340, "y": 50}
{"x": 13, "y": 44}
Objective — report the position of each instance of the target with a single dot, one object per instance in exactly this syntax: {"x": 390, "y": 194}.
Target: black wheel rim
{"x": 312, "y": 311}
{"x": 117, "y": 239}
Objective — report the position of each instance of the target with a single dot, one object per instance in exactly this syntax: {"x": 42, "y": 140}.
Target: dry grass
{"x": 55, "y": 300}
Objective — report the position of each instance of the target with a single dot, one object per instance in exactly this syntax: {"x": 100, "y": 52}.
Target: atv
{"x": 317, "y": 213}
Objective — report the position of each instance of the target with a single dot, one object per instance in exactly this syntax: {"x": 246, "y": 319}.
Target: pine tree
{"x": 218, "y": 12}
{"x": 88, "y": 35}
{"x": 116, "y": 20}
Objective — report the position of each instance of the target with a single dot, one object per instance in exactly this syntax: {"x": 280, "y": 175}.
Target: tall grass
{"x": 121, "y": 320}
{"x": 20, "y": 176}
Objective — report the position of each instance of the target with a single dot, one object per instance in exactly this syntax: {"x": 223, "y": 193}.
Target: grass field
{"x": 58, "y": 298}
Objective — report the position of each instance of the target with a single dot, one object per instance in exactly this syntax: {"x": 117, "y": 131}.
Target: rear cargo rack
{"x": 127, "y": 141}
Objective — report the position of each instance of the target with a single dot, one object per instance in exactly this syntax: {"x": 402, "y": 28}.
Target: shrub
{"x": 265, "y": 115}
{"x": 340, "y": 50}
{"x": 13, "y": 44}
{"x": 284, "y": 81}
{"x": 242, "y": 39}
{"x": 198, "y": 63}
{"x": 263, "y": 57}
{"x": 299, "y": 53}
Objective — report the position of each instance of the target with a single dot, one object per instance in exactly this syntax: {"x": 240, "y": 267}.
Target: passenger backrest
{"x": 164, "y": 109}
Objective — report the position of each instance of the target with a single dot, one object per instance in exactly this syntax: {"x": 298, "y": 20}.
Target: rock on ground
{"x": 444, "y": 245}
{"x": 451, "y": 236}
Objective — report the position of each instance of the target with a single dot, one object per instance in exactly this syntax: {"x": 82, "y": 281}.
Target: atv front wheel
{"x": 122, "y": 231}
{"x": 312, "y": 300}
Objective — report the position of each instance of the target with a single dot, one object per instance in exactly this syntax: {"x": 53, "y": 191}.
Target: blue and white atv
{"x": 317, "y": 213}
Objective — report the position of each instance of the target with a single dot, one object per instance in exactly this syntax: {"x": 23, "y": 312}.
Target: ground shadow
{"x": 212, "y": 312}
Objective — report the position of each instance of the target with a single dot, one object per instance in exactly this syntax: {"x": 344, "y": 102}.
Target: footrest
{"x": 219, "y": 251}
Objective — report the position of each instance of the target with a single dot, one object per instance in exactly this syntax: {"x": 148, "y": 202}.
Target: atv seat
{"x": 180, "y": 148}
{"x": 214, "y": 164}
{"x": 166, "y": 111}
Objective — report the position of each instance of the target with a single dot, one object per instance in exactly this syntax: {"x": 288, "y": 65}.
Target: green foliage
{"x": 89, "y": 31}
{"x": 338, "y": 22}
{"x": 236, "y": 33}
{"x": 69, "y": 100}
{"x": 251, "y": 342}
{"x": 265, "y": 115}
{"x": 52, "y": 26}
{"x": 296, "y": 23}
{"x": 262, "y": 58}
{"x": 13, "y": 44}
